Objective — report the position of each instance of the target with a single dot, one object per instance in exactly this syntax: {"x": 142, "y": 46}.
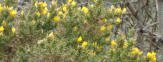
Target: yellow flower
{"x": 100, "y": 48}
{"x": 69, "y": 1}
{"x": 48, "y": 15}
{"x": 79, "y": 39}
{"x": 154, "y": 59}
{"x": 79, "y": 9}
{"x": 13, "y": 13}
{"x": 1, "y": 29}
{"x": 118, "y": 10}
{"x": 85, "y": 10}
{"x": 36, "y": 4}
{"x": 0, "y": 7}
{"x": 118, "y": 20}
{"x": 103, "y": 28}
{"x": 113, "y": 43}
{"x": 43, "y": 4}
{"x": 93, "y": 54}
{"x": 58, "y": 9}
{"x": 51, "y": 36}
{"x": 111, "y": 9}
{"x": 56, "y": 19}
{"x": 124, "y": 10}
{"x": 44, "y": 11}
{"x": 94, "y": 44}
{"x": 54, "y": 3}
{"x": 84, "y": 44}
{"x": 13, "y": 29}
{"x": 8, "y": 8}
{"x": 151, "y": 56}
{"x": 33, "y": 22}
{"x": 4, "y": 23}
{"x": 75, "y": 28}
{"x": 136, "y": 51}
{"x": 64, "y": 8}
{"x": 22, "y": 13}
{"x": 38, "y": 14}
{"x": 107, "y": 39}
{"x": 110, "y": 27}
{"x": 73, "y": 3}
{"x": 60, "y": 13}
{"x": 125, "y": 45}
{"x": 105, "y": 20}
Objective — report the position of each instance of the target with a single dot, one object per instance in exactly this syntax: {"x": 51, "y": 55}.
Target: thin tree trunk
{"x": 159, "y": 4}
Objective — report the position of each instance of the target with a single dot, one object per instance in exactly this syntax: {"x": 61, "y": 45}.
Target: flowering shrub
{"x": 68, "y": 32}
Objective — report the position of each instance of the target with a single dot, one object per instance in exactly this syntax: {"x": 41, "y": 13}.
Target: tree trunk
{"x": 159, "y": 4}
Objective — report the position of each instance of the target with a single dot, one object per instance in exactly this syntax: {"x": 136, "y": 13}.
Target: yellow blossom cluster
{"x": 8, "y": 10}
{"x": 42, "y": 6}
{"x": 151, "y": 56}
{"x": 85, "y": 10}
{"x": 117, "y": 10}
{"x": 87, "y": 29}
{"x": 113, "y": 43}
{"x": 136, "y": 51}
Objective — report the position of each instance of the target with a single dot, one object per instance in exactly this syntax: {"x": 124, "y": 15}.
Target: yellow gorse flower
{"x": 13, "y": 13}
{"x": 36, "y": 4}
{"x": 151, "y": 56}
{"x": 111, "y": 9}
{"x": 8, "y": 8}
{"x": 44, "y": 11}
{"x": 41, "y": 4}
{"x": 118, "y": 20}
{"x": 51, "y": 36}
{"x": 94, "y": 44}
{"x": 54, "y": 4}
{"x": 79, "y": 39}
{"x": 84, "y": 44}
{"x": 136, "y": 51}
{"x": 60, "y": 13}
{"x": 73, "y": 3}
{"x": 13, "y": 29}
{"x": 4, "y": 23}
{"x": 85, "y": 10}
{"x": 38, "y": 14}
{"x": 93, "y": 54}
{"x": 118, "y": 10}
{"x": 103, "y": 28}
{"x": 56, "y": 19}
{"x": 1, "y": 29}
{"x": 105, "y": 20}
{"x": 22, "y": 13}
{"x": 124, "y": 10}
{"x": 110, "y": 27}
{"x": 48, "y": 15}
{"x": 100, "y": 48}
{"x": 0, "y": 7}
{"x": 107, "y": 39}
{"x": 64, "y": 9}
{"x": 69, "y": 1}
{"x": 125, "y": 45}
{"x": 113, "y": 43}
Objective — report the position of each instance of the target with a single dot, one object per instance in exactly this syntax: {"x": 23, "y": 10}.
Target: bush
{"x": 68, "y": 32}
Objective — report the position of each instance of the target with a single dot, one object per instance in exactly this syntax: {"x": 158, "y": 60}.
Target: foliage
{"x": 67, "y": 32}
